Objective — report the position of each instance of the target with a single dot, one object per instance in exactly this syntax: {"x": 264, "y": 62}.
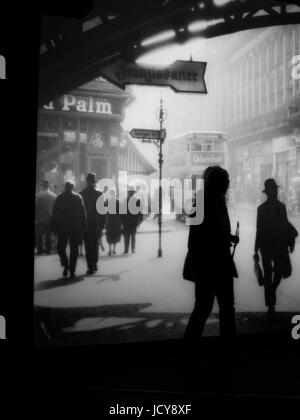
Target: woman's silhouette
{"x": 209, "y": 263}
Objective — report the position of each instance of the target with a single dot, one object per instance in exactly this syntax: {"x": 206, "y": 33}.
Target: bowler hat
{"x": 270, "y": 185}
{"x": 91, "y": 177}
{"x": 131, "y": 188}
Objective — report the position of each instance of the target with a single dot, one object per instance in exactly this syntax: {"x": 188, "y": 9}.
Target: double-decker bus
{"x": 189, "y": 154}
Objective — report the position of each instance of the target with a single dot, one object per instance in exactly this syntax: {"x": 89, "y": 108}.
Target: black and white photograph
{"x": 162, "y": 185}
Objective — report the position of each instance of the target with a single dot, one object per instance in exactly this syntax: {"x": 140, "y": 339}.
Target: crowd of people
{"x": 72, "y": 218}
{"x": 209, "y": 263}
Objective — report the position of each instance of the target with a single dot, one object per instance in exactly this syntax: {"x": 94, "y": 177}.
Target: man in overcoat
{"x": 95, "y": 223}
{"x": 274, "y": 242}
{"x": 69, "y": 223}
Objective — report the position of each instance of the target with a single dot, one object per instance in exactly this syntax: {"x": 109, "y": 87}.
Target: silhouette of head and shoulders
{"x": 271, "y": 191}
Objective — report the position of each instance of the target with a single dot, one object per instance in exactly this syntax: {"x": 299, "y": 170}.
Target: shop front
{"x": 81, "y": 132}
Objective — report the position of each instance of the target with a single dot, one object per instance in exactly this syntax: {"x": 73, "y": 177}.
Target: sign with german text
{"x": 181, "y": 76}
{"x": 207, "y": 158}
{"x": 140, "y": 133}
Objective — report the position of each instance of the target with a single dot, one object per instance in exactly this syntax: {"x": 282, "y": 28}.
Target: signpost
{"x": 144, "y": 134}
{"x": 157, "y": 137}
{"x": 181, "y": 76}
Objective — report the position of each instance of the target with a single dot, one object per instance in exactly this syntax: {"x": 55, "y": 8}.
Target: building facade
{"x": 253, "y": 83}
{"x": 81, "y": 132}
{"x": 255, "y": 99}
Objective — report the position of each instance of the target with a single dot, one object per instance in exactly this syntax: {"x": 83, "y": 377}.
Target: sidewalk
{"x": 138, "y": 297}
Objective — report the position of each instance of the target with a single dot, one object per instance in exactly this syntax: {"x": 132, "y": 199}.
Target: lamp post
{"x": 161, "y": 118}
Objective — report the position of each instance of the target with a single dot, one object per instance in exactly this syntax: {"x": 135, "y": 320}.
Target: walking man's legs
{"x": 74, "y": 249}
{"x": 88, "y": 251}
{"x": 133, "y": 233}
{"x": 126, "y": 240}
{"x": 61, "y": 249}
{"x": 225, "y": 297}
{"x": 40, "y": 230}
{"x": 204, "y": 301}
{"x": 95, "y": 249}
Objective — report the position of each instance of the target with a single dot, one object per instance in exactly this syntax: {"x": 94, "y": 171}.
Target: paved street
{"x": 139, "y": 296}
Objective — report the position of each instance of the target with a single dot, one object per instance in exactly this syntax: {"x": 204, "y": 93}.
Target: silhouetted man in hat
{"x": 43, "y": 211}
{"x": 69, "y": 223}
{"x": 273, "y": 242}
{"x": 95, "y": 223}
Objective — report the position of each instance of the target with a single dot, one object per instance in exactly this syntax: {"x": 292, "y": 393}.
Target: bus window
{"x": 196, "y": 147}
{"x": 207, "y": 146}
{"x": 219, "y": 146}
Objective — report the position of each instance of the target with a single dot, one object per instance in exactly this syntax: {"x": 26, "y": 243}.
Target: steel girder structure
{"x": 73, "y": 51}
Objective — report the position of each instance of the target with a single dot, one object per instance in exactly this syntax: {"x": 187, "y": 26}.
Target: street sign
{"x": 140, "y": 133}
{"x": 181, "y": 76}
{"x": 146, "y": 140}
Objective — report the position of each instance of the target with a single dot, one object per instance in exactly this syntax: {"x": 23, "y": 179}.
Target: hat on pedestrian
{"x": 69, "y": 185}
{"x": 270, "y": 185}
{"x": 91, "y": 177}
{"x": 45, "y": 183}
{"x": 131, "y": 188}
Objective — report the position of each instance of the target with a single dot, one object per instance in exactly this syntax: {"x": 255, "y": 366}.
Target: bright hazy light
{"x": 167, "y": 55}
{"x": 222, "y": 2}
{"x": 202, "y": 24}
{"x": 142, "y": 112}
{"x": 163, "y": 56}
{"x": 158, "y": 38}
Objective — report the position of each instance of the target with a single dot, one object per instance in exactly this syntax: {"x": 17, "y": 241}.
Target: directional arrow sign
{"x": 181, "y": 76}
{"x": 140, "y": 133}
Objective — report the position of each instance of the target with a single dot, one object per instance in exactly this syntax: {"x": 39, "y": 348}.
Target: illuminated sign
{"x": 81, "y": 104}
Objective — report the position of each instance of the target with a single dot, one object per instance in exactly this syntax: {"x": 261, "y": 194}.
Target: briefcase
{"x": 258, "y": 273}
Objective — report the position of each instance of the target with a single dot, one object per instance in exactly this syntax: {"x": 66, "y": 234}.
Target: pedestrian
{"x": 275, "y": 238}
{"x": 69, "y": 223}
{"x": 113, "y": 222}
{"x": 209, "y": 263}
{"x": 131, "y": 220}
{"x": 95, "y": 222}
{"x": 43, "y": 211}
{"x": 102, "y": 221}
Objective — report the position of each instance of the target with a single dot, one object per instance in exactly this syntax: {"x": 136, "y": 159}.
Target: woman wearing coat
{"x": 209, "y": 263}
{"x": 113, "y": 222}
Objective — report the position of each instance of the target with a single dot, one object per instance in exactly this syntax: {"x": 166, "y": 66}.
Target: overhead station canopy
{"x": 73, "y": 51}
